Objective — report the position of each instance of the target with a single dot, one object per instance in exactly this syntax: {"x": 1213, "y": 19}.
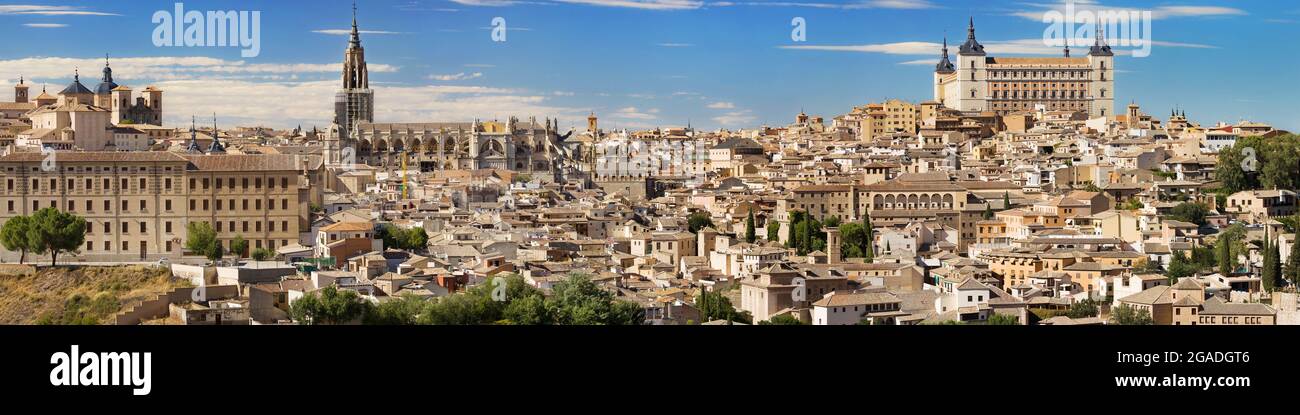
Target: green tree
{"x": 1132, "y": 204}
{"x": 579, "y": 301}
{"x": 532, "y": 310}
{"x": 750, "y": 234}
{"x": 1127, "y": 316}
{"x": 239, "y": 246}
{"x": 1083, "y": 309}
{"x": 773, "y": 230}
{"x": 1275, "y": 161}
{"x": 262, "y": 254}
{"x": 854, "y": 243}
{"x": 870, "y": 248}
{"x": 56, "y": 232}
{"x": 716, "y": 306}
{"x": 1292, "y": 271}
{"x": 400, "y": 311}
{"x": 782, "y": 320}
{"x": 416, "y": 239}
{"x": 699, "y": 220}
{"x": 1179, "y": 268}
{"x": 14, "y": 236}
{"x": 1272, "y": 266}
{"x": 1006, "y": 200}
{"x": 329, "y": 305}
{"x": 792, "y": 234}
{"x": 202, "y": 240}
{"x": 998, "y": 319}
{"x": 988, "y": 211}
{"x": 1193, "y": 212}
{"x": 1223, "y": 252}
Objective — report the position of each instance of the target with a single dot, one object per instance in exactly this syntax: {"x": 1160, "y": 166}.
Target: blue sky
{"x": 637, "y": 63}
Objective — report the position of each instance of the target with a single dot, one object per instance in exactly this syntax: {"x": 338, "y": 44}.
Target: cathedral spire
{"x": 1099, "y": 46}
{"x": 972, "y": 46}
{"x": 193, "y": 146}
{"x": 216, "y": 147}
{"x": 945, "y": 65}
{"x": 356, "y": 35}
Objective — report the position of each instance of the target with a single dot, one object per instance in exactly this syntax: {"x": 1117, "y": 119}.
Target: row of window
{"x": 144, "y": 245}
{"x": 257, "y": 204}
{"x": 1038, "y": 74}
{"x": 167, "y": 227}
{"x": 125, "y": 184}
{"x": 88, "y": 184}
{"x": 167, "y": 205}
{"x": 230, "y": 182}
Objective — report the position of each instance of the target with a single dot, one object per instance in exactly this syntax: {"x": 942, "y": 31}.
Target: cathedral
{"x": 523, "y": 146}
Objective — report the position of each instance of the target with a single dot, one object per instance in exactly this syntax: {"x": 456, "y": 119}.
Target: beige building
{"x": 978, "y": 82}
{"x": 137, "y": 204}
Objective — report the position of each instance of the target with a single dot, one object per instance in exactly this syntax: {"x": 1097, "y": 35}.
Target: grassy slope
{"x": 81, "y": 295}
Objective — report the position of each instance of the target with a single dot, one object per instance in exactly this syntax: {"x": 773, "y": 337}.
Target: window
{"x": 142, "y": 227}
{"x": 167, "y": 226}
{"x": 167, "y": 205}
{"x": 144, "y": 206}
{"x": 143, "y": 183}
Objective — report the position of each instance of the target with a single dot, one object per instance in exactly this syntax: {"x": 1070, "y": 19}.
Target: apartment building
{"x": 137, "y": 204}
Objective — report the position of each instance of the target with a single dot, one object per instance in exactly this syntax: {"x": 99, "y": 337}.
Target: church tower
{"x": 104, "y": 92}
{"x": 354, "y": 102}
{"x": 20, "y": 90}
{"x": 972, "y": 78}
{"x": 1102, "y": 88}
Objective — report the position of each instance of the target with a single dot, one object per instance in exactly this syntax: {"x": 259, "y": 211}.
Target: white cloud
{"x": 863, "y": 4}
{"x": 285, "y": 95}
{"x": 462, "y": 76}
{"x": 489, "y": 3}
{"x": 563, "y": 93}
{"x": 920, "y": 62}
{"x": 59, "y": 70}
{"x": 722, "y": 105}
{"x": 634, "y": 113}
{"x": 1006, "y": 47}
{"x": 50, "y": 10}
{"x": 45, "y": 25}
{"x": 900, "y": 48}
{"x": 1160, "y": 12}
{"x": 346, "y": 32}
{"x": 287, "y": 104}
{"x": 642, "y": 4}
{"x": 735, "y": 118}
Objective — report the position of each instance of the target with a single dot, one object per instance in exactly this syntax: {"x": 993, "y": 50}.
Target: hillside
{"x": 77, "y": 295}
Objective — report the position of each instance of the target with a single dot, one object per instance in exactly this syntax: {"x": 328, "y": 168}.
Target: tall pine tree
{"x": 1223, "y": 253}
{"x": 750, "y": 234}
{"x": 870, "y": 252}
